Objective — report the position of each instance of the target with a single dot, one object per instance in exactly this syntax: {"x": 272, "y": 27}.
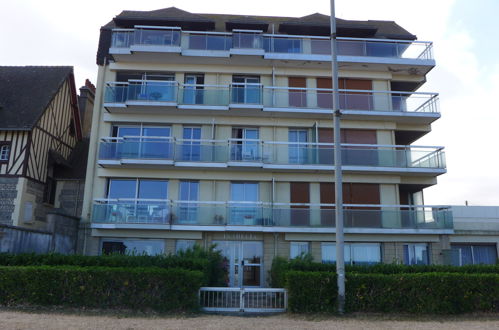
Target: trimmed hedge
{"x": 101, "y": 287}
{"x": 210, "y": 262}
{"x": 433, "y": 293}
{"x": 281, "y": 265}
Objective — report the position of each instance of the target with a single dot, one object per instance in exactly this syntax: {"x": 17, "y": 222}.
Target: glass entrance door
{"x": 245, "y": 262}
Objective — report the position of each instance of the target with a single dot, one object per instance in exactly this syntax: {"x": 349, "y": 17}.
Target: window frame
{"x": 411, "y": 254}
{"x": 5, "y": 145}
{"x": 349, "y": 252}
{"x": 299, "y": 245}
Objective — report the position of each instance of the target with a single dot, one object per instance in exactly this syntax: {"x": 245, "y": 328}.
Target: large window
{"x": 245, "y": 144}
{"x": 416, "y": 254}
{"x": 246, "y": 90}
{"x": 355, "y": 253}
{"x": 133, "y": 246}
{"x": 146, "y": 142}
{"x": 184, "y": 244}
{"x": 473, "y": 254}
{"x": 244, "y": 209}
{"x": 298, "y": 249}
{"x": 138, "y": 200}
{"x": 4, "y": 152}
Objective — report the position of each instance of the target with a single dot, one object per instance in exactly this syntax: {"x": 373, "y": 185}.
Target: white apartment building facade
{"x": 217, "y": 129}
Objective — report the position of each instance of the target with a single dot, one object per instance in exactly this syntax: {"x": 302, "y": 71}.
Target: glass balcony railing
{"x": 271, "y": 43}
{"x": 204, "y": 95}
{"x": 146, "y": 148}
{"x": 248, "y": 94}
{"x": 141, "y": 91}
{"x": 361, "y": 100}
{"x": 286, "y": 153}
{"x": 270, "y": 152}
{"x": 202, "y": 213}
{"x": 209, "y": 42}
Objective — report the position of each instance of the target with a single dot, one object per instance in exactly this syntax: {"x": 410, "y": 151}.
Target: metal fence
{"x": 251, "y": 300}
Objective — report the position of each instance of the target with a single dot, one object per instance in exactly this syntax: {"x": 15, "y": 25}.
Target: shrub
{"x": 210, "y": 262}
{"x": 101, "y": 287}
{"x": 441, "y": 293}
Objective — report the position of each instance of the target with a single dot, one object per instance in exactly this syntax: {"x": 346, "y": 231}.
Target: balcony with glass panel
{"x": 271, "y": 217}
{"x": 203, "y": 97}
{"x": 136, "y": 151}
{"x": 206, "y": 44}
{"x": 246, "y": 96}
{"x": 134, "y": 95}
{"x": 317, "y": 49}
{"x": 416, "y": 107}
{"x": 271, "y": 155}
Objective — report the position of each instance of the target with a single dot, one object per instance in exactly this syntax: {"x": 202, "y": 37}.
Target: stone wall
{"x": 40, "y": 208}
{"x": 8, "y": 195}
{"x": 70, "y": 196}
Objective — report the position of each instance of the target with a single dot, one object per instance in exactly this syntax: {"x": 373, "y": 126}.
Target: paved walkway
{"x": 25, "y": 320}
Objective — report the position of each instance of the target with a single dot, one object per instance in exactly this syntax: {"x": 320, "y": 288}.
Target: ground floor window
{"x": 416, "y": 254}
{"x": 133, "y": 246}
{"x": 184, "y": 244}
{"x": 473, "y": 254}
{"x": 355, "y": 253}
{"x": 297, "y": 249}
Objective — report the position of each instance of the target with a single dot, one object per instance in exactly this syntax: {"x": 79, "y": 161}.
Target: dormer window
{"x": 4, "y": 152}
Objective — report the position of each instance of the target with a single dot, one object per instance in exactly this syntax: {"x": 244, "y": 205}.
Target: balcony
{"x": 134, "y": 95}
{"x": 356, "y": 104}
{"x": 272, "y": 155}
{"x": 145, "y": 96}
{"x": 261, "y": 47}
{"x": 267, "y": 217}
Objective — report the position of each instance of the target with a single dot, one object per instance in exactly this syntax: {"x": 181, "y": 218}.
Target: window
{"x": 4, "y": 152}
{"x": 244, "y": 213}
{"x": 473, "y": 254}
{"x": 298, "y": 151}
{"x": 72, "y": 131}
{"x": 193, "y": 89}
{"x": 246, "y": 90}
{"x": 297, "y": 249}
{"x": 191, "y": 145}
{"x": 133, "y": 247}
{"x": 245, "y": 144}
{"x": 355, "y": 253}
{"x": 416, "y": 254}
{"x": 138, "y": 201}
{"x": 189, "y": 193}
{"x": 184, "y": 244}
{"x": 145, "y": 142}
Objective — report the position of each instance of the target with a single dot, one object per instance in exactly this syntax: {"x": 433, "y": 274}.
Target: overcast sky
{"x": 63, "y": 32}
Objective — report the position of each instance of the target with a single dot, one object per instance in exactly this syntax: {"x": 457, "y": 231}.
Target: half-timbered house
{"x": 39, "y": 129}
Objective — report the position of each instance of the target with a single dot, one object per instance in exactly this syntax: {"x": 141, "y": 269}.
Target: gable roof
{"x": 26, "y": 91}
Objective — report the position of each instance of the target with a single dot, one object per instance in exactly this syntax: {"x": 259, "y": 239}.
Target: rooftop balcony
{"x": 380, "y": 52}
{"x": 151, "y": 96}
{"x": 267, "y": 217}
{"x": 143, "y": 152}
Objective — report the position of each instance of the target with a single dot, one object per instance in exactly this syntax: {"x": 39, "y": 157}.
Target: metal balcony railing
{"x": 269, "y": 152}
{"x": 239, "y": 213}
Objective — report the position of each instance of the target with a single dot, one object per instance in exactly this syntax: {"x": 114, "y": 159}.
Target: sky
{"x": 63, "y": 32}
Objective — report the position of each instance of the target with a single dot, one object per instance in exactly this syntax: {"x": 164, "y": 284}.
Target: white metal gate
{"x": 256, "y": 300}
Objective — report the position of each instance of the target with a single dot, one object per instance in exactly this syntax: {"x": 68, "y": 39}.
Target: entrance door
{"x": 244, "y": 260}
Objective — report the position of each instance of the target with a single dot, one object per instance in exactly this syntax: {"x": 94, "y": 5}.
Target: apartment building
{"x": 218, "y": 129}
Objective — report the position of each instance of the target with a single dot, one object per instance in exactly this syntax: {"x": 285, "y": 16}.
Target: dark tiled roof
{"x": 26, "y": 91}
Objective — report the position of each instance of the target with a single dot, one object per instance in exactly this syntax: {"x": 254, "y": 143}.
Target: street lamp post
{"x": 338, "y": 175}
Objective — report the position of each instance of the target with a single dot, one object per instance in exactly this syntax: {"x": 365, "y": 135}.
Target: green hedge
{"x": 101, "y": 287}
{"x": 434, "y": 293}
{"x": 280, "y": 266}
{"x": 210, "y": 262}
